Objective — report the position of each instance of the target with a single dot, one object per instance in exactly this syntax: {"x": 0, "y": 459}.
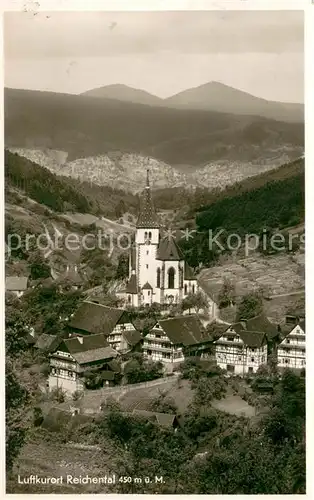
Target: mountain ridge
{"x": 210, "y": 96}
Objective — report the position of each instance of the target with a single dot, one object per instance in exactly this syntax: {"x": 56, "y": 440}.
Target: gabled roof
{"x": 237, "y": 327}
{"x": 147, "y": 217}
{"x": 47, "y": 342}
{"x": 16, "y": 283}
{"x": 132, "y": 337}
{"x": 88, "y": 349}
{"x": 261, "y": 323}
{"x": 147, "y": 286}
{"x": 253, "y": 339}
{"x": 131, "y": 286}
{"x": 169, "y": 250}
{"x": 72, "y": 275}
{"x": 249, "y": 338}
{"x": 186, "y": 330}
{"x": 188, "y": 272}
{"x": 163, "y": 419}
{"x": 96, "y": 318}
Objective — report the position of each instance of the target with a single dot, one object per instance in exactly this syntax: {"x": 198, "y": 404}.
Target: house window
{"x": 250, "y": 369}
{"x": 171, "y": 273}
{"x": 288, "y": 341}
{"x": 287, "y": 361}
{"x": 185, "y": 289}
{"x": 253, "y": 350}
{"x": 129, "y": 299}
{"x": 158, "y": 277}
{"x": 263, "y": 359}
{"x": 193, "y": 289}
{"x": 252, "y": 360}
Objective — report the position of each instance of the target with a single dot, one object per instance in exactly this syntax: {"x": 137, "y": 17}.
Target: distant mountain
{"x": 212, "y": 96}
{"x": 124, "y": 93}
{"x": 84, "y": 127}
{"x": 215, "y": 96}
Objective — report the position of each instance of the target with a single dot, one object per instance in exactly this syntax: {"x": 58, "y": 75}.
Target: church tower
{"x": 146, "y": 241}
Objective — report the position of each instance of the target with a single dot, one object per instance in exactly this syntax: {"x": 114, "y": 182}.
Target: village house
{"x": 157, "y": 270}
{"x": 241, "y": 351}
{"x": 16, "y": 285}
{"x": 174, "y": 339}
{"x": 165, "y": 420}
{"x": 77, "y": 356}
{"x": 91, "y": 318}
{"x": 291, "y": 351}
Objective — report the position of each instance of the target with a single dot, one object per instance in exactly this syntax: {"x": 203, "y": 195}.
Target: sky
{"x": 260, "y": 52}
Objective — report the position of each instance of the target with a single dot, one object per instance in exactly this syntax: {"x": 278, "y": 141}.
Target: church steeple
{"x": 147, "y": 216}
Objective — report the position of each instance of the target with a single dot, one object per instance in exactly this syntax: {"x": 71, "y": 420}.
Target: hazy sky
{"x": 162, "y": 52}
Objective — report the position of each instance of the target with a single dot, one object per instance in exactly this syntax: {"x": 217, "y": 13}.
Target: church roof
{"x": 147, "y": 217}
{"x": 147, "y": 286}
{"x": 169, "y": 250}
{"x": 132, "y": 285}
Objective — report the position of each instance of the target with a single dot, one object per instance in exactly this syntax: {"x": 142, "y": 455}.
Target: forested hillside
{"x": 63, "y": 194}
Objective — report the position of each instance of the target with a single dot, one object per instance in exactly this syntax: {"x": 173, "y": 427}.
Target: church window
{"x": 158, "y": 277}
{"x": 185, "y": 289}
{"x": 148, "y": 293}
{"x": 147, "y": 252}
{"x": 145, "y": 235}
{"x": 146, "y": 266}
{"x": 171, "y": 273}
{"x": 149, "y": 235}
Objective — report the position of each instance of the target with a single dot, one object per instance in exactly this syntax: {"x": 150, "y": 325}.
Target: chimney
{"x": 80, "y": 339}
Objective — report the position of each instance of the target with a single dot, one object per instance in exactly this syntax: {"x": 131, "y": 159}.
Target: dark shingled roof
{"x": 147, "y": 286}
{"x": 16, "y": 283}
{"x": 47, "y": 342}
{"x": 188, "y": 272}
{"x": 132, "y": 337}
{"x": 250, "y": 338}
{"x": 169, "y": 250}
{"x": 238, "y": 327}
{"x": 92, "y": 348}
{"x": 253, "y": 339}
{"x": 96, "y": 318}
{"x": 186, "y": 330}
{"x": 131, "y": 286}
{"x": 261, "y": 323}
{"x": 163, "y": 419}
{"x": 147, "y": 217}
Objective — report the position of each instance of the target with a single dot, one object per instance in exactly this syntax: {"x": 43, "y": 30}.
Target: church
{"x": 157, "y": 270}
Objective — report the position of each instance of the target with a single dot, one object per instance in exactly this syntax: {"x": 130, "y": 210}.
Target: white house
{"x": 291, "y": 351}
{"x": 172, "y": 340}
{"x": 16, "y": 285}
{"x": 157, "y": 270}
{"x": 91, "y": 318}
{"x": 74, "y": 357}
{"x": 241, "y": 351}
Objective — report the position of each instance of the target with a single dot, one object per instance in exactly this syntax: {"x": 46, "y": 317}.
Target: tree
{"x": 251, "y": 305}
{"x": 16, "y": 400}
{"x": 227, "y": 294}
{"x": 195, "y": 301}
{"x": 39, "y": 269}
{"x": 122, "y": 270}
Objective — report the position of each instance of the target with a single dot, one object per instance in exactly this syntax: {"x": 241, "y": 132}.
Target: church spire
{"x": 147, "y": 217}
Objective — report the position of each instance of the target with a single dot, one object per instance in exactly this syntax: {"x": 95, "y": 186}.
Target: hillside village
{"x": 144, "y": 344}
